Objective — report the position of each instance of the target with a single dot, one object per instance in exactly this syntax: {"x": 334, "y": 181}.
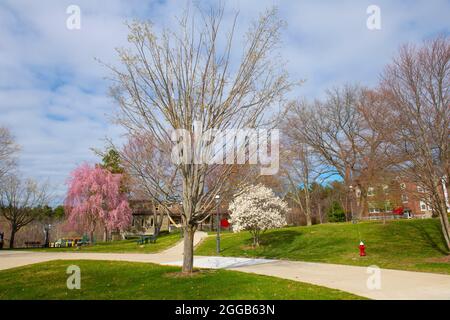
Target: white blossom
{"x": 257, "y": 209}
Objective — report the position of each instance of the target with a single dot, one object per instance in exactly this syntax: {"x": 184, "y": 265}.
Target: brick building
{"x": 398, "y": 197}
{"x": 145, "y": 213}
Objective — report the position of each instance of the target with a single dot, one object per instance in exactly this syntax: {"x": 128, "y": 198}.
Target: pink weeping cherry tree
{"x": 94, "y": 199}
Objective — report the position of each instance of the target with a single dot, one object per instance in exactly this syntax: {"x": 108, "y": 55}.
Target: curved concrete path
{"x": 11, "y": 259}
{"x": 394, "y": 284}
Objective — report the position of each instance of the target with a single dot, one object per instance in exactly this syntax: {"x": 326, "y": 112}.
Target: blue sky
{"x": 53, "y": 93}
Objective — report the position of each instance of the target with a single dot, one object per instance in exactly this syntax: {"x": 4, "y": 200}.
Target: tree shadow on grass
{"x": 279, "y": 239}
{"x": 425, "y": 234}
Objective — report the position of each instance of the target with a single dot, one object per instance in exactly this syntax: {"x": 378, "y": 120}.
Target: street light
{"x": 181, "y": 209}
{"x": 351, "y": 203}
{"x": 47, "y": 238}
{"x": 218, "y": 225}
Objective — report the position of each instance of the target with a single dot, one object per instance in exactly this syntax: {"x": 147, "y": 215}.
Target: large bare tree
{"x": 341, "y": 133}
{"x": 21, "y": 202}
{"x": 186, "y": 78}
{"x": 299, "y": 172}
{"x": 416, "y": 85}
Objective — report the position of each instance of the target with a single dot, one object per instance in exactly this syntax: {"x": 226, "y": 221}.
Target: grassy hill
{"x": 132, "y": 280}
{"x": 401, "y": 244}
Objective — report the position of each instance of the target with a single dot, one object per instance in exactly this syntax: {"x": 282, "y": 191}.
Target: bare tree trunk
{"x": 11, "y": 237}
{"x": 345, "y": 206}
{"x": 308, "y": 208}
{"x": 157, "y": 222}
{"x": 445, "y": 229}
{"x": 188, "y": 253}
{"x": 255, "y": 238}
{"x": 105, "y": 235}
{"x": 445, "y": 225}
{"x": 362, "y": 205}
{"x": 156, "y": 231}
{"x": 320, "y": 214}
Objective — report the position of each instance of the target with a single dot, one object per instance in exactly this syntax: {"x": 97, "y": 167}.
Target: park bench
{"x": 32, "y": 244}
{"x": 84, "y": 241}
{"x": 146, "y": 239}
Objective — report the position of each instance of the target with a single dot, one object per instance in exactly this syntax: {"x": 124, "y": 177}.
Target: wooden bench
{"x": 33, "y": 244}
{"x": 146, "y": 239}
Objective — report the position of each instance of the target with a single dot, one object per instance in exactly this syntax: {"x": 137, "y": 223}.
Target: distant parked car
{"x": 83, "y": 242}
{"x": 66, "y": 242}
{"x": 60, "y": 243}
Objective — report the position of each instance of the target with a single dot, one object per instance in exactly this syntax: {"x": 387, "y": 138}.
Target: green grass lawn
{"x": 401, "y": 244}
{"x": 132, "y": 280}
{"x": 122, "y": 246}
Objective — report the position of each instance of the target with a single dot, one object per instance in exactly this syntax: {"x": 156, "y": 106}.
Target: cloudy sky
{"x": 53, "y": 93}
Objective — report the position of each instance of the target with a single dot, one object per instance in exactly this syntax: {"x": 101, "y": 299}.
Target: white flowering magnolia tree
{"x": 257, "y": 209}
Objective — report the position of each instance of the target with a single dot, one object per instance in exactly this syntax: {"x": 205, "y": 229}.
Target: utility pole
{"x": 218, "y": 225}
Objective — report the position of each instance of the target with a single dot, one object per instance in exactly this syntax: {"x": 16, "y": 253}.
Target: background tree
{"x": 21, "y": 202}
{"x": 298, "y": 171}
{"x": 340, "y": 193}
{"x": 341, "y": 133}
{"x": 257, "y": 209}
{"x": 47, "y": 215}
{"x": 321, "y": 195}
{"x": 185, "y": 78}
{"x": 7, "y": 150}
{"x": 111, "y": 161}
{"x": 94, "y": 199}
{"x": 58, "y": 212}
{"x": 151, "y": 175}
{"x": 416, "y": 86}
{"x": 335, "y": 212}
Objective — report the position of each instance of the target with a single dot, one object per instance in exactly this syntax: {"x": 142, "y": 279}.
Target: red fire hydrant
{"x": 362, "y": 249}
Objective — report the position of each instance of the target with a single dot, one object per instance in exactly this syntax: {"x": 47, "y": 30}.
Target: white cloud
{"x": 52, "y": 91}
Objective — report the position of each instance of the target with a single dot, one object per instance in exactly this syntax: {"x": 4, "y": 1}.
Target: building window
{"x": 402, "y": 186}
{"x": 370, "y": 191}
{"x": 420, "y": 189}
{"x": 374, "y": 210}
{"x": 386, "y": 189}
{"x": 423, "y": 206}
{"x": 404, "y": 198}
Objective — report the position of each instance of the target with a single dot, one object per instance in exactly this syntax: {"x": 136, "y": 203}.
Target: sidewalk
{"x": 395, "y": 284}
{"x": 11, "y": 259}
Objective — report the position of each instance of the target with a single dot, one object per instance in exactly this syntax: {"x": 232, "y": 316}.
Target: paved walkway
{"x": 395, "y": 284}
{"x": 11, "y": 259}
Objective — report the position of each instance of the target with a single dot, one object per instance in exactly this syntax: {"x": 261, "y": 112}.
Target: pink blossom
{"x": 94, "y": 198}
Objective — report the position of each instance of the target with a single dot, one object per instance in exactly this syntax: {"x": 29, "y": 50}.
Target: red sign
{"x": 224, "y": 223}
{"x": 398, "y": 210}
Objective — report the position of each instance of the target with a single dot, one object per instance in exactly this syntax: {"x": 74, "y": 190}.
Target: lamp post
{"x": 181, "y": 209}
{"x": 351, "y": 203}
{"x": 47, "y": 238}
{"x": 218, "y": 225}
